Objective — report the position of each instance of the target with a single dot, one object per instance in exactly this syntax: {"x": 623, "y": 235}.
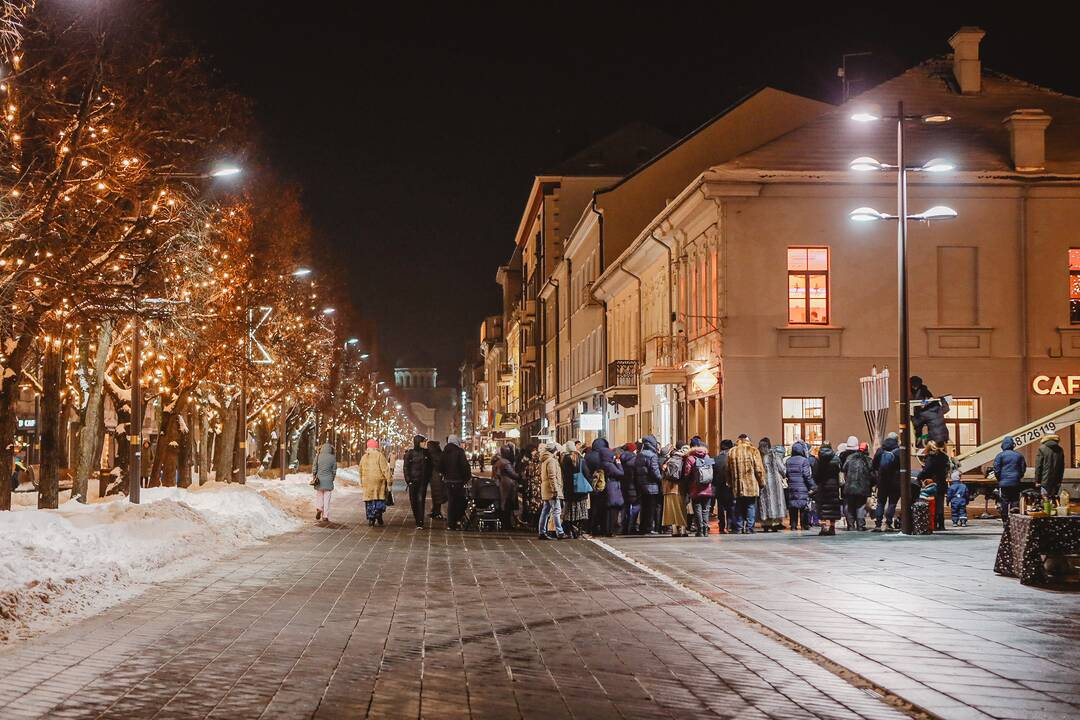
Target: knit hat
{"x": 372, "y": 444}
{"x": 632, "y": 447}
{"x": 852, "y": 442}
{"x": 892, "y": 436}
{"x": 453, "y": 440}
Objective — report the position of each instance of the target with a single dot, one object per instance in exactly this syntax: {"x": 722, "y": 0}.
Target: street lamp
{"x": 329, "y": 311}
{"x": 225, "y": 171}
{"x": 868, "y": 214}
{"x": 301, "y": 272}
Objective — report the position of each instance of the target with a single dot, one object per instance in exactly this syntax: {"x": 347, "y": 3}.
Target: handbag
{"x": 582, "y": 485}
{"x": 389, "y": 497}
{"x": 599, "y": 481}
{"x": 314, "y": 481}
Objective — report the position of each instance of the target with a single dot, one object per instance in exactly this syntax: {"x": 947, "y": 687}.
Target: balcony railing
{"x": 622, "y": 374}
{"x": 665, "y": 361}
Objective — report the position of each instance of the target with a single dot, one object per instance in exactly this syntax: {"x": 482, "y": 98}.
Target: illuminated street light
{"x": 868, "y": 214}
{"x": 328, "y": 311}
{"x": 225, "y": 171}
{"x": 301, "y": 272}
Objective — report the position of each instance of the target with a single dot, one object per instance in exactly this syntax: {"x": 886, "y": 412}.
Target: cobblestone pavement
{"x": 351, "y": 622}
{"x": 925, "y": 617}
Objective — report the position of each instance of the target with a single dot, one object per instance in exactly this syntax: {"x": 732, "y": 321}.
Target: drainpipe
{"x": 671, "y": 328}
{"x": 1024, "y": 354}
{"x": 604, "y": 323}
{"x": 558, "y": 331}
{"x": 637, "y": 350}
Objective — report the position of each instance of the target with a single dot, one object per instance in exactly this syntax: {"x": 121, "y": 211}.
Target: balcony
{"x": 622, "y": 382}
{"x": 665, "y": 361}
{"x": 506, "y": 375}
{"x": 528, "y": 358}
{"x": 528, "y": 312}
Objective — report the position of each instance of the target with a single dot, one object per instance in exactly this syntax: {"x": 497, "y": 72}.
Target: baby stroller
{"x": 485, "y": 505}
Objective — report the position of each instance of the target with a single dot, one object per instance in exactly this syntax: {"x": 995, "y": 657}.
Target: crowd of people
{"x": 567, "y": 490}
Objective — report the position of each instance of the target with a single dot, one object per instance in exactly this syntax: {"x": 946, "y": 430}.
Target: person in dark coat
{"x": 1009, "y": 469}
{"x": 457, "y": 473}
{"x": 1050, "y": 468}
{"x": 438, "y": 489}
{"x": 936, "y": 467}
{"x": 600, "y": 457}
{"x": 502, "y": 471}
{"x": 723, "y": 500}
{"x": 827, "y": 490}
{"x": 701, "y": 495}
{"x": 628, "y": 460}
{"x": 417, "y": 470}
{"x": 647, "y": 477}
{"x": 919, "y": 391}
{"x": 855, "y": 463}
{"x": 800, "y": 477}
{"x": 886, "y": 468}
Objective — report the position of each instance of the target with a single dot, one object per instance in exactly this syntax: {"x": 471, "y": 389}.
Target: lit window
{"x": 963, "y": 423}
{"x": 808, "y": 286}
{"x": 1074, "y": 286}
{"x": 804, "y": 419}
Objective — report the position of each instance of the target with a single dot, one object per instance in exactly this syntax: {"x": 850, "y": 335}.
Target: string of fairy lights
{"x": 106, "y": 225}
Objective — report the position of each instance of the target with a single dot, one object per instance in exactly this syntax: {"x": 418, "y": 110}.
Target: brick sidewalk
{"x": 352, "y": 622}
{"x": 925, "y": 617}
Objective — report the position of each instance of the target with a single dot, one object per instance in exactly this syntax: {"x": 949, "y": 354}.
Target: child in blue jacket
{"x": 957, "y": 495}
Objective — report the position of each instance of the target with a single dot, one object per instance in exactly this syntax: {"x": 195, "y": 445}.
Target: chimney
{"x": 966, "y": 67}
{"x": 1027, "y": 138}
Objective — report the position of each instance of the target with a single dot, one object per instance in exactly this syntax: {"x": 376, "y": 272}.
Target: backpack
{"x": 702, "y": 472}
{"x": 889, "y": 461}
{"x": 599, "y": 481}
{"x": 673, "y": 468}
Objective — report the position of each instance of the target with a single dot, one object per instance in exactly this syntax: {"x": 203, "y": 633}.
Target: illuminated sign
{"x": 591, "y": 421}
{"x": 705, "y": 381}
{"x": 1056, "y": 384}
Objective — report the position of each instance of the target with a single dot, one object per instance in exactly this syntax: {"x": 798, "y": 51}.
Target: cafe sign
{"x": 1056, "y": 384}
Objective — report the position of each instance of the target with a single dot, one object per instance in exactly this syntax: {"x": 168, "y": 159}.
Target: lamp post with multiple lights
{"x": 867, "y": 214}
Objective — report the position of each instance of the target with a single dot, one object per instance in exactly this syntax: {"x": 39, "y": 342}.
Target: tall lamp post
{"x": 867, "y": 214}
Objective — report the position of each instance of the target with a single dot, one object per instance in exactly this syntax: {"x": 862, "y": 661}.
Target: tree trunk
{"x": 91, "y": 437}
{"x": 49, "y": 482}
{"x": 227, "y": 443}
{"x": 204, "y": 446}
{"x": 9, "y": 395}
{"x": 185, "y": 451}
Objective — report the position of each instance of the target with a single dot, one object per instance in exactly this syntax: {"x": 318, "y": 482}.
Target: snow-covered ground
{"x": 57, "y": 566}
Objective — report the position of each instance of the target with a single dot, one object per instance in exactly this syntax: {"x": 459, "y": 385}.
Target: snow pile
{"x": 58, "y": 565}
{"x": 295, "y": 495}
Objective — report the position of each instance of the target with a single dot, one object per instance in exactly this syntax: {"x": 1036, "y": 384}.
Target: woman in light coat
{"x": 772, "y": 507}
{"x": 375, "y": 481}
{"x": 551, "y": 491}
{"x": 324, "y": 470}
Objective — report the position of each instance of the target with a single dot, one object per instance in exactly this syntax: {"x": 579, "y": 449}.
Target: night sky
{"x": 415, "y": 132}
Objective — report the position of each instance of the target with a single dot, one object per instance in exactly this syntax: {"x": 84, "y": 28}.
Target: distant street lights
{"x": 868, "y": 214}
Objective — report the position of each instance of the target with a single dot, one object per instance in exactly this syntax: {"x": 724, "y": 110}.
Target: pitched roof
{"x": 616, "y": 154}
{"x": 975, "y": 139}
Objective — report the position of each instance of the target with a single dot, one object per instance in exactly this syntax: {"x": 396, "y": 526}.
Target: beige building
{"x": 782, "y": 302}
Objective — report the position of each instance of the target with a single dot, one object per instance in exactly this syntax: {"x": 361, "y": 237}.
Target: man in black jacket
{"x": 456, "y": 473}
{"x": 417, "y": 471}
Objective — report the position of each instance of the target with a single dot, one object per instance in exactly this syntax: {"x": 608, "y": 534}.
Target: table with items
{"x": 1027, "y": 539}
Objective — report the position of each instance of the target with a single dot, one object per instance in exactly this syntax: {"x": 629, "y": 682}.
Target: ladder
{"x": 1035, "y": 431}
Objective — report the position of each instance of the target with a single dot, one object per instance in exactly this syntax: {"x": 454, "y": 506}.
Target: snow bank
{"x": 59, "y": 565}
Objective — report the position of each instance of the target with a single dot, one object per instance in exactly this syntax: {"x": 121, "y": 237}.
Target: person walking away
{"x": 530, "y": 473}
{"x": 647, "y": 476}
{"x": 417, "y": 470}
{"x": 936, "y": 468}
{"x": 438, "y": 488}
{"x": 375, "y": 480}
{"x": 747, "y": 476}
{"x": 323, "y": 471}
{"x": 1049, "y": 468}
{"x": 576, "y": 504}
{"x": 631, "y": 508}
{"x": 827, "y": 490}
{"x": 1009, "y": 469}
{"x": 722, "y": 498}
{"x": 502, "y": 471}
{"x": 456, "y": 474}
{"x": 551, "y": 492}
{"x": 800, "y": 479}
{"x": 671, "y": 484}
{"x": 483, "y": 462}
{"x": 957, "y": 497}
{"x": 698, "y": 473}
{"x": 607, "y": 502}
{"x": 858, "y": 481}
{"x": 772, "y": 507}
{"x": 886, "y": 468}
